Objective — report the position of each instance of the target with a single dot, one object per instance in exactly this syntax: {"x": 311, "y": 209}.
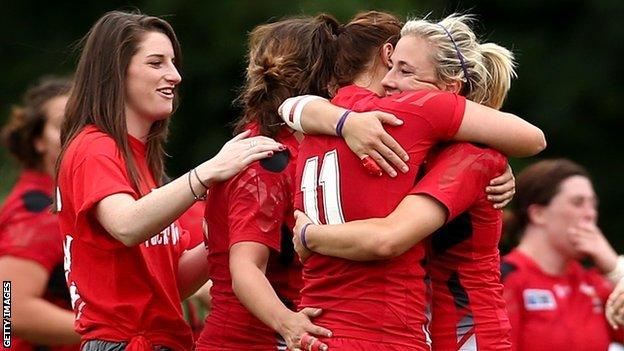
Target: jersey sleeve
{"x": 442, "y": 111}
{"x": 458, "y": 178}
{"x": 97, "y": 177}
{"x": 36, "y": 238}
{"x": 257, "y": 206}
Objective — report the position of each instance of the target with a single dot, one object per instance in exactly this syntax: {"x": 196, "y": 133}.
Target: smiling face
{"x": 151, "y": 80}
{"x": 411, "y": 67}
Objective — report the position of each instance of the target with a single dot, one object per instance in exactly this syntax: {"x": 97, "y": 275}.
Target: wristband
{"x": 291, "y": 109}
{"x": 303, "y": 236}
{"x": 341, "y": 122}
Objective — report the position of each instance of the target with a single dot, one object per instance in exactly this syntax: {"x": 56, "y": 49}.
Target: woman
{"x": 410, "y": 54}
{"x": 256, "y": 274}
{"x": 125, "y": 259}
{"x": 554, "y": 303}
{"x": 31, "y": 255}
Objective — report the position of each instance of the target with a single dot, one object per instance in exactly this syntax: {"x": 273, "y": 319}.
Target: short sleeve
{"x": 97, "y": 177}
{"x": 36, "y": 238}
{"x": 258, "y": 203}
{"x": 458, "y": 178}
{"x": 444, "y": 112}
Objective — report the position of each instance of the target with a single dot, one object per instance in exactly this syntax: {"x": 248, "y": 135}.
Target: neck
{"x": 49, "y": 166}
{"x": 137, "y": 127}
{"x": 371, "y": 80}
{"x": 550, "y": 260}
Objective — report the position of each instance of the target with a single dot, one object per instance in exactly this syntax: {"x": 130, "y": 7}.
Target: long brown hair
{"x": 291, "y": 57}
{"x": 98, "y": 97}
{"x": 28, "y": 120}
{"x": 360, "y": 42}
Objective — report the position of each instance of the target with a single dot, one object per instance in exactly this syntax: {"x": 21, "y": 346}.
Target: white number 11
{"x": 329, "y": 181}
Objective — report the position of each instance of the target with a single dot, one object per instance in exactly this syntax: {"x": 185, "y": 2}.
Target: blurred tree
{"x": 570, "y": 77}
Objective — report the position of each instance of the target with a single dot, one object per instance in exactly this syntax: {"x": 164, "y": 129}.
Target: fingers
{"x": 311, "y": 312}
{"x": 394, "y": 152}
{"x": 501, "y": 188}
{"x": 388, "y": 118}
{"x": 380, "y": 162}
{"x": 240, "y": 136}
{"x": 311, "y": 343}
{"x": 501, "y": 200}
{"x": 256, "y": 156}
{"x": 504, "y": 178}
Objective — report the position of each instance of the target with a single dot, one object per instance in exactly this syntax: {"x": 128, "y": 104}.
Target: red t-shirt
{"x": 563, "y": 312}
{"x": 468, "y": 309}
{"x": 379, "y": 301}
{"x": 118, "y": 293}
{"x": 256, "y": 205}
{"x": 29, "y": 230}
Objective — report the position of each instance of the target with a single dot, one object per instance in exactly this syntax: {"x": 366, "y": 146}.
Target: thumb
{"x": 388, "y": 118}
{"x": 241, "y": 136}
{"x": 312, "y": 312}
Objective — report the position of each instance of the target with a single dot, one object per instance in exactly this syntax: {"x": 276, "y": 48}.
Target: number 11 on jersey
{"x": 329, "y": 181}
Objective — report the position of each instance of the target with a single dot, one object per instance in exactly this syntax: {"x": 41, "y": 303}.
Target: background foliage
{"x": 570, "y": 77}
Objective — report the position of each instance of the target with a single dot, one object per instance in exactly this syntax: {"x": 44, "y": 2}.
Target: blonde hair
{"x": 484, "y": 69}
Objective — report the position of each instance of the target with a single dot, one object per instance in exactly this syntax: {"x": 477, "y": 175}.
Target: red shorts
{"x": 340, "y": 344}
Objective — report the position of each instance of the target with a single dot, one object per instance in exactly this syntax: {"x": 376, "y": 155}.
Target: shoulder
{"x": 512, "y": 268}
{"x": 91, "y": 141}
{"x": 411, "y": 101}
{"x": 462, "y": 157}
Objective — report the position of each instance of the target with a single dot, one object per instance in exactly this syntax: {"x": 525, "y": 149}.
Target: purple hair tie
{"x": 459, "y": 55}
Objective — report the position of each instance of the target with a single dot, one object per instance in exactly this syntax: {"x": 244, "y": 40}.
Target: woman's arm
{"x": 505, "y": 132}
{"x": 134, "y": 221}
{"x": 363, "y": 132}
{"x": 248, "y": 262}
{"x": 192, "y": 270}
{"x": 416, "y": 217}
{"x": 33, "y": 318}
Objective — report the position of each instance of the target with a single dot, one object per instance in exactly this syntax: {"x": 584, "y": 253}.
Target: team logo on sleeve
{"x": 539, "y": 300}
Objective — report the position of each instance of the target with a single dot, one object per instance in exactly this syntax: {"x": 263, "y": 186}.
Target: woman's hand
{"x": 301, "y": 219}
{"x": 295, "y": 325}
{"x": 365, "y": 135}
{"x": 236, "y": 155}
{"x": 614, "y": 311}
{"x": 502, "y": 189}
{"x": 588, "y": 239}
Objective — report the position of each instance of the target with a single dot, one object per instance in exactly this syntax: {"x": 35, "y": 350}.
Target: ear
{"x": 535, "y": 214}
{"x": 40, "y": 145}
{"x": 453, "y": 87}
{"x": 386, "y": 52}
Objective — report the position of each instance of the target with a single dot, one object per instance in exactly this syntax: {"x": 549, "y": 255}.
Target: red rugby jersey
{"x": 29, "y": 230}
{"x": 380, "y": 301}
{"x": 468, "y": 309}
{"x": 119, "y": 293}
{"x": 256, "y": 205}
{"x": 550, "y": 313}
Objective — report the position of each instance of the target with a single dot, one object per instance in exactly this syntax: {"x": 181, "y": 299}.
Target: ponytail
{"x": 499, "y": 63}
